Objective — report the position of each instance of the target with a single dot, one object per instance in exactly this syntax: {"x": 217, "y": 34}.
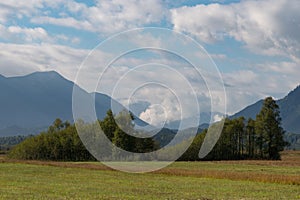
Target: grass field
{"x": 181, "y": 180}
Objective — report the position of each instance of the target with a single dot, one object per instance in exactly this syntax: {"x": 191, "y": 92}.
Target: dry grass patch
{"x": 246, "y": 176}
{"x": 283, "y": 172}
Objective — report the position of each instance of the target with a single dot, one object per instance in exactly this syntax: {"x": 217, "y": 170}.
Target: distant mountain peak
{"x": 45, "y": 77}
{"x": 52, "y": 74}
{"x": 36, "y": 100}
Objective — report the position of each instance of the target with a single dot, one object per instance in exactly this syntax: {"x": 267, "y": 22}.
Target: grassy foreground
{"x": 182, "y": 180}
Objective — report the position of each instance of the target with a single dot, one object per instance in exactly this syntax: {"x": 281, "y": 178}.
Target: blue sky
{"x": 255, "y": 44}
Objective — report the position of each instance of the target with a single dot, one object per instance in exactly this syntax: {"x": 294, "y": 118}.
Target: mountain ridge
{"x": 289, "y": 107}
{"x": 35, "y": 100}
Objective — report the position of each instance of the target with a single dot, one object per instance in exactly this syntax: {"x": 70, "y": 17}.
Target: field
{"x": 181, "y": 180}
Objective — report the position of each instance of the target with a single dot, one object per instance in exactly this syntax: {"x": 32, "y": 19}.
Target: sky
{"x": 255, "y": 46}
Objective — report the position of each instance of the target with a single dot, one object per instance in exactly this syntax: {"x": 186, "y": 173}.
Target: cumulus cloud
{"x": 159, "y": 115}
{"x": 218, "y": 118}
{"x": 104, "y": 17}
{"x": 18, "y": 9}
{"x": 29, "y": 35}
{"x": 65, "y": 21}
{"x": 20, "y": 59}
{"x": 107, "y": 16}
{"x": 268, "y": 27}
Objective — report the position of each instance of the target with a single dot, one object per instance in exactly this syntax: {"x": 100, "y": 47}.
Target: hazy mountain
{"x": 289, "y": 110}
{"x": 34, "y": 100}
{"x": 29, "y": 104}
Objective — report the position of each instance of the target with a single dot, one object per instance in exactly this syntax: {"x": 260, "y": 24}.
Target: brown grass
{"x": 289, "y": 158}
{"x": 91, "y": 166}
{"x": 245, "y": 176}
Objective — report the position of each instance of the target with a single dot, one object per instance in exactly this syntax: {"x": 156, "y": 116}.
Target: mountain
{"x": 29, "y": 104}
{"x": 250, "y": 111}
{"x": 289, "y": 111}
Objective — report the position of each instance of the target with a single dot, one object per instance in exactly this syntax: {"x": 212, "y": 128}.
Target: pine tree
{"x": 269, "y": 130}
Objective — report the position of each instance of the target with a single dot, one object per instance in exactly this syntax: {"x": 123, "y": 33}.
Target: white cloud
{"x": 118, "y": 15}
{"x": 108, "y": 16}
{"x": 64, "y": 38}
{"x": 8, "y": 8}
{"x": 268, "y": 27}
{"x": 36, "y": 35}
{"x": 66, "y": 22}
{"x": 264, "y": 27}
{"x": 20, "y": 59}
{"x": 206, "y": 22}
{"x": 284, "y": 67}
{"x": 19, "y": 34}
{"x": 245, "y": 87}
{"x": 28, "y": 34}
{"x": 218, "y": 118}
{"x": 18, "y": 9}
{"x": 244, "y": 77}
{"x": 159, "y": 115}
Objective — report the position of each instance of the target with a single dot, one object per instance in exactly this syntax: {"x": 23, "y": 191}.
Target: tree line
{"x": 261, "y": 138}
{"x": 61, "y": 141}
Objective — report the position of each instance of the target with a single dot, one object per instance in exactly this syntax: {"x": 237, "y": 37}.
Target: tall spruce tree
{"x": 269, "y": 130}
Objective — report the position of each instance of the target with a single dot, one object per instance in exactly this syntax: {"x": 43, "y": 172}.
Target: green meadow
{"x": 181, "y": 180}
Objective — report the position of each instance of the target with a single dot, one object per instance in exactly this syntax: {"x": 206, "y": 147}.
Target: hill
{"x": 289, "y": 111}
